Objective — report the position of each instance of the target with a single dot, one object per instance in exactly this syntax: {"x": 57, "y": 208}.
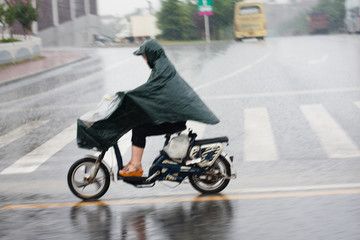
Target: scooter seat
{"x": 211, "y": 140}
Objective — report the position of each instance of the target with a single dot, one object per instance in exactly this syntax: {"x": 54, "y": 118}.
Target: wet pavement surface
{"x": 306, "y": 217}
{"x": 301, "y": 192}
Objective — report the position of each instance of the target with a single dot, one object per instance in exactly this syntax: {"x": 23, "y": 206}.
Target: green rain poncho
{"x": 165, "y": 97}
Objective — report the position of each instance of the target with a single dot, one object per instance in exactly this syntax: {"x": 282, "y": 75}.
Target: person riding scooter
{"x": 161, "y": 105}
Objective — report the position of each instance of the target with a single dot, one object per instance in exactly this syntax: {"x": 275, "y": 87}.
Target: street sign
{"x": 205, "y": 7}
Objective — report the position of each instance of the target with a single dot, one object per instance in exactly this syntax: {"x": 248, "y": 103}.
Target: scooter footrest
{"x": 134, "y": 180}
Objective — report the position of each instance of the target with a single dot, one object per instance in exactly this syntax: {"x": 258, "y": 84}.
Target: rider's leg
{"x": 136, "y": 155}
{"x": 138, "y": 139}
{"x": 133, "y": 168}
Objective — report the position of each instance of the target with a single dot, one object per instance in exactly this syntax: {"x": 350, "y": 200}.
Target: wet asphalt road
{"x": 303, "y": 188}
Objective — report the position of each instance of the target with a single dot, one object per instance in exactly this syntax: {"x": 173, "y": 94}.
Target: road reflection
{"x": 197, "y": 219}
{"x": 94, "y": 221}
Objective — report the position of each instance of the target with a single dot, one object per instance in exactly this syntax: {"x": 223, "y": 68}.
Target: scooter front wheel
{"x": 213, "y": 181}
{"x": 80, "y": 182}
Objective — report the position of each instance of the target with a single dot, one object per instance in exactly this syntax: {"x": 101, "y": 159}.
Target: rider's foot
{"x": 131, "y": 170}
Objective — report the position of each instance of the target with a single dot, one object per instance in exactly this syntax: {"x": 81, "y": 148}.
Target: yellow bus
{"x": 249, "y": 21}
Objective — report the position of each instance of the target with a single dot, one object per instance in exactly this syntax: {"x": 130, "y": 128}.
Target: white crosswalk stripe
{"x": 259, "y": 142}
{"x": 124, "y": 142}
{"x": 31, "y": 161}
{"x": 357, "y": 104}
{"x": 20, "y": 132}
{"x": 332, "y": 137}
{"x": 197, "y": 127}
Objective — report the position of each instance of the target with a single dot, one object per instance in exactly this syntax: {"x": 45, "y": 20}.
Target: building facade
{"x": 66, "y": 22}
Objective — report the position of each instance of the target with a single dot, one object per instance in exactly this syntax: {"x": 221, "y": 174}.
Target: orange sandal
{"x": 125, "y": 172}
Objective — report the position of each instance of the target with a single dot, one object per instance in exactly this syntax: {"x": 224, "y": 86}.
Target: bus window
{"x": 249, "y": 10}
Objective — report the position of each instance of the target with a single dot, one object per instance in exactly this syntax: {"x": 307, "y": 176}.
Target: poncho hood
{"x": 165, "y": 97}
{"x": 152, "y": 50}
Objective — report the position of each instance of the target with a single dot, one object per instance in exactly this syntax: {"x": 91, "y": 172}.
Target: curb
{"x": 16, "y": 79}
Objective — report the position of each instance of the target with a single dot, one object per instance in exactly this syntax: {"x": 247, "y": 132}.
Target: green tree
{"x": 2, "y": 20}
{"x": 221, "y": 22}
{"x": 179, "y": 19}
{"x": 223, "y": 18}
{"x": 10, "y": 18}
{"x": 174, "y": 20}
{"x": 24, "y": 12}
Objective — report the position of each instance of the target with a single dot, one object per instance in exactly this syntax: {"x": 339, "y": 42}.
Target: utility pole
{"x": 206, "y": 9}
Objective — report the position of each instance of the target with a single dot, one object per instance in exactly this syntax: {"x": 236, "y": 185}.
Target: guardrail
{"x": 27, "y": 48}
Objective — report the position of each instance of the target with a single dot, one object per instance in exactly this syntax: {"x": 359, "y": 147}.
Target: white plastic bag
{"x": 104, "y": 109}
{"x": 178, "y": 147}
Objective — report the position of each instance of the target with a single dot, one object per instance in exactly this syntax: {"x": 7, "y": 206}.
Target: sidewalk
{"x": 52, "y": 59}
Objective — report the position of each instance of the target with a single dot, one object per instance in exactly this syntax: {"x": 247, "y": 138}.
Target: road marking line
{"x": 114, "y": 65}
{"x": 281, "y": 94}
{"x": 46, "y": 108}
{"x": 320, "y": 60}
{"x": 332, "y": 137}
{"x": 31, "y": 161}
{"x": 294, "y": 188}
{"x": 357, "y": 104}
{"x": 234, "y": 73}
{"x": 259, "y": 141}
{"x": 186, "y": 199}
{"x": 273, "y": 189}
{"x": 20, "y": 132}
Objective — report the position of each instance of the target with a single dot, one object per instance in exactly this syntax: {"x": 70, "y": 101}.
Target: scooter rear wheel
{"x": 83, "y": 187}
{"x": 213, "y": 181}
